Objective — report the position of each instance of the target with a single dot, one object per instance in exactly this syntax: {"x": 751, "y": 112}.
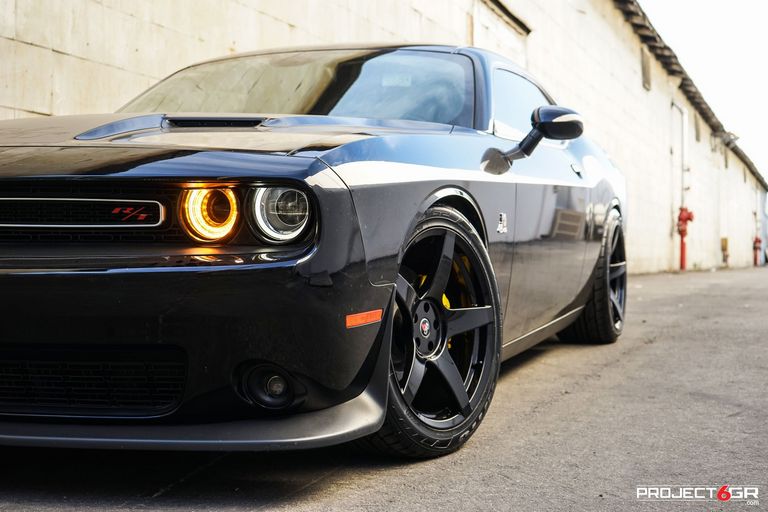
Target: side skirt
{"x": 526, "y": 341}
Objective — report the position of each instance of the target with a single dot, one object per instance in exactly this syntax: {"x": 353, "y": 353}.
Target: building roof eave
{"x": 641, "y": 25}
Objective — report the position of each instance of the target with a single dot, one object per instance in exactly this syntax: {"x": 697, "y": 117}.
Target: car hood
{"x": 275, "y": 134}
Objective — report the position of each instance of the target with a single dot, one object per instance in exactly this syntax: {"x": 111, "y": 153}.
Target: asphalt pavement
{"x": 680, "y": 399}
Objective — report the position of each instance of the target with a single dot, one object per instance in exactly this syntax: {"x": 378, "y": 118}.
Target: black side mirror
{"x": 551, "y": 122}
{"x": 557, "y": 123}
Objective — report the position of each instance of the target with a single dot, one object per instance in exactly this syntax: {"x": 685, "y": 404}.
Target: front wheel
{"x": 446, "y": 340}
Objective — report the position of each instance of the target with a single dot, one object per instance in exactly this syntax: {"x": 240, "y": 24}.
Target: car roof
{"x": 431, "y": 47}
{"x": 349, "y": 46}
{"x": 489, "y": 59}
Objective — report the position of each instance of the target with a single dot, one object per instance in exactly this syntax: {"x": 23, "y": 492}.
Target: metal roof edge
{"x": 641, "y": 25}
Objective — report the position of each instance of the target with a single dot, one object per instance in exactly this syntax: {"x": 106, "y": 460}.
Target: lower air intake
{"x": 89, "y": 381}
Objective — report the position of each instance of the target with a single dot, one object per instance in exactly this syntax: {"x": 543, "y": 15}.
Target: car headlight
{"x": 210, "y": 214}
{"x": 281, "y": 213}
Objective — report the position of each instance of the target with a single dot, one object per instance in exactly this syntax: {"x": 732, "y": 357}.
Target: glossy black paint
{"x": 557, "y": 123}
{"x": 371, "y": 181}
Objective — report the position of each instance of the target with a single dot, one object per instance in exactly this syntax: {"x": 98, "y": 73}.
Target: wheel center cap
{"x": 425, "y": 328}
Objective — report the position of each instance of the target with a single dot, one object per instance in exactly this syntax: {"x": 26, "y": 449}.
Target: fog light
{"x": 276, "y": 386}
{"x": 210, "y": 214}
{"x": 268, "y": 386}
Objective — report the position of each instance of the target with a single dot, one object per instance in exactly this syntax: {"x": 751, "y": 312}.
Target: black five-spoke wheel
{"x": 436, "y": 338}
{"x": 617, "y": 277}
{"x": 446, "y": 339}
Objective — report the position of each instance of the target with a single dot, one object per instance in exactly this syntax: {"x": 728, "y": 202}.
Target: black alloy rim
{"x": 444, "y": 329}
{"x": 617, "y": 278}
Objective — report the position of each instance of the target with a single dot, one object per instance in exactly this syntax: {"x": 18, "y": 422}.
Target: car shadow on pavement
{"x": 534, "y": 353}
{"x": 39, "y": 479}
{"x": 48, "y": 479}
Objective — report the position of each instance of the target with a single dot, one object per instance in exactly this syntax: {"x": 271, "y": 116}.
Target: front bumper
{"x": 356, "y": 418}
{"x": 225, "y": 315}
{"x": 350, "y": 420}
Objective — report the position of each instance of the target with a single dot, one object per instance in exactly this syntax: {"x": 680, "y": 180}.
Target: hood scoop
{"x": 157, "y": 121}
{"x": 213, "y": 122}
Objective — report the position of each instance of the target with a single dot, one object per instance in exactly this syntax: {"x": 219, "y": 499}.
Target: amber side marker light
{"x": 368, "y": 317}
{"x": 210, "y": 214}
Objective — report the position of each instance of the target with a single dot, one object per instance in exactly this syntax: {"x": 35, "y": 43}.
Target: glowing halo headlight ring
{"x": 209, "y": 214}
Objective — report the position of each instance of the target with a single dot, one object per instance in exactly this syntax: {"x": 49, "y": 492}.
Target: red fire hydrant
{"x": 758, "y": 243}
{"x": 684, "y": 217}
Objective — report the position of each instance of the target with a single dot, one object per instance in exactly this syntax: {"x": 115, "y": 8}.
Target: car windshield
{"x": 378, "y": 84}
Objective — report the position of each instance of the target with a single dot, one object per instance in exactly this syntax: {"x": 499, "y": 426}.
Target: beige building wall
{"x": 84, "y": 56}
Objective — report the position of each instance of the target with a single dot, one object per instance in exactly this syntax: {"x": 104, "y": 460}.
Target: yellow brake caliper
{"x": 447, "y": 305}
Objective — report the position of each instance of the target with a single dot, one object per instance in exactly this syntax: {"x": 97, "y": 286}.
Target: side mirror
{"x": 557, "y": 123}
{"x": 551, "y": 122}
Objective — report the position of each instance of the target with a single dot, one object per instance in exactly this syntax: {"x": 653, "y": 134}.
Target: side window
{"x": 514, "y": 100}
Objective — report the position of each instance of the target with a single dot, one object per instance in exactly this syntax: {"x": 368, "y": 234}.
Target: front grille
{"x": 45, "y": 212}
{"x": 90, "y": 381}
{"x": 95, "y": 224}
{"x": 172, "y": 235}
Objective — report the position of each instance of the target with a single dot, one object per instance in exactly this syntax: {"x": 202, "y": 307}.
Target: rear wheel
{"x": 602, "y": 320}
{"x": 446, "y": 340}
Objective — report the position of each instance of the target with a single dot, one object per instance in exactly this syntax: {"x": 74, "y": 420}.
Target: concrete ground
{"x": 682, "y": 398}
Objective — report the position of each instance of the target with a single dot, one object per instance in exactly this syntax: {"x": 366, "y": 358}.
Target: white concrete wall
{"x": 83, "y": 56}
{"x": 589, "y": 57}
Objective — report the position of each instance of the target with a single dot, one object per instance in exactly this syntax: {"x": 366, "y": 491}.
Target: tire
{"x": 602, "y": 319}
{"x": 445, "y": 359}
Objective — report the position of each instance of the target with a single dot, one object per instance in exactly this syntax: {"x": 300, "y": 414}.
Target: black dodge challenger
{"x": 298, "y": 248}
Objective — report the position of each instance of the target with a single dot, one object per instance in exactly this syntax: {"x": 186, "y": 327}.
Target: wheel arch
{"x": 616, "y": 204}
{"x": 463, "y": 202}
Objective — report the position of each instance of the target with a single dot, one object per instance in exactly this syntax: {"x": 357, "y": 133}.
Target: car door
{"x": 550, "y": 214}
